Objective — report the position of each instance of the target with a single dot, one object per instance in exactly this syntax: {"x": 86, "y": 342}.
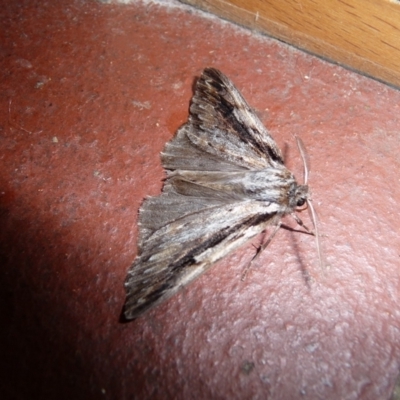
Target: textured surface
{"x": 96, "y": 90}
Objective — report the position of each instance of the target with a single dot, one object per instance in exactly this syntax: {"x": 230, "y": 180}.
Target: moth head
{"x": 299, "y": 196}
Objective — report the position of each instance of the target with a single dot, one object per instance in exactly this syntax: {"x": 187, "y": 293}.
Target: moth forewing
{"x": 226, "y": 182}
{"x": 170, "y": 264}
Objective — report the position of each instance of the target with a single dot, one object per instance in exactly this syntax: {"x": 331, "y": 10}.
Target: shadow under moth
{"x": 226, "y": 182}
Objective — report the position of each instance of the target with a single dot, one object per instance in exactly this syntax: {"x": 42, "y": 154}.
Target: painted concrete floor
{"x": 90, "y": 93}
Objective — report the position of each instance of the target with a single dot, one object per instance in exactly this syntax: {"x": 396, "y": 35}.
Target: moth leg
{"x": 301, "y": 223}
{"x": 261, "y": 248}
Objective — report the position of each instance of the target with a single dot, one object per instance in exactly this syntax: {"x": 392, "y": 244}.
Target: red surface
{"x": 96, "y": 90}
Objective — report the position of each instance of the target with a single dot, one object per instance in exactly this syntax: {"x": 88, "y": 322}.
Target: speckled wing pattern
{"x": 226, "y": 182}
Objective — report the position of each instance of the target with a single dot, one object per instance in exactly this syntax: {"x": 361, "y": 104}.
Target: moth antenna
{"x": 314, "y": 219}
{"x": 313, "y": 214}
{"x": 304, "y": 157}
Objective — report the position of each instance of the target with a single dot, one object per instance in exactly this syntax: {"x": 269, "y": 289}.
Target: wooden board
{"x": 360, "y": 34}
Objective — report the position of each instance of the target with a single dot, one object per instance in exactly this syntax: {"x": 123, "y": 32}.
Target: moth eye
{"x": 300, "y": 202}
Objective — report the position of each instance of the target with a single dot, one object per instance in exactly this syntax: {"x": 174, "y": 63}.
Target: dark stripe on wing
{"x": 189, "y": 260}
{"x": 226, "y": 109}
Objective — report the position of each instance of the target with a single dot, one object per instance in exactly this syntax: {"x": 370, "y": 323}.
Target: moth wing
{"x": 170, "y": 206}
{"x": 177, "y": 250}
{"x": 221, "y": 123}
{"x": 181, "y": 154}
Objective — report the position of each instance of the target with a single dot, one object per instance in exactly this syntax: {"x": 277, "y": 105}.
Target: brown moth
{"x": 226, "y": 182}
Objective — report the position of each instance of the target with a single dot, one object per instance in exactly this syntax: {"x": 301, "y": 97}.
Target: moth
{"x": 226, "y": 182}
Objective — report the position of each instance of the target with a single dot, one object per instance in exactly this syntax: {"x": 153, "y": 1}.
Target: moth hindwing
{"x": 226, "y": 182}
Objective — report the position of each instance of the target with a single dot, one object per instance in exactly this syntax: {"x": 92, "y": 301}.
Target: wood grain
{"x": 360, "y": 34}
